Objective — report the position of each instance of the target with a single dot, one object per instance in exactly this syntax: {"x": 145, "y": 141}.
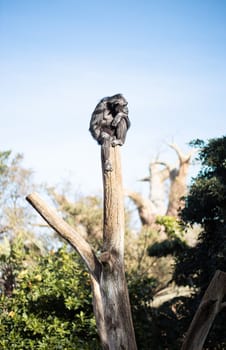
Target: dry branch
{"x": 68, "y": 233}
{"x": 209, "y": 307}
{"x": 144, "y": 207}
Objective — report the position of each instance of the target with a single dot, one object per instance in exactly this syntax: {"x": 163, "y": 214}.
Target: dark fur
{"x": 109, "y": 124}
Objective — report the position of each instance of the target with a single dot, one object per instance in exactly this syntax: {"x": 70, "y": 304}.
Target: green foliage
{"x": 173, "y": 244}
{"x": 197, "y": 143}
{"x": 167, "y": 247}
{"x": 14, "y": 257}
{"x": 206, "y": 206}
{"x": 45, "y": 301}
{"x": 50, "y": 308}
{"x": 172, "y": 227}
{"x": 15, "y": 214}
{"x": 4, "y": 156}
{"x": 195, "y": 266}
{"x": 168, "y": 325}
{"x": 141, "y": 294}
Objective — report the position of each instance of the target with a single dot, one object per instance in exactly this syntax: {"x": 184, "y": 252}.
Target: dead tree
{"x": 156, "y": 178}
{"x": 110, "y": 294}
{"x": 157, "y": 203}
{"x": 211, "y": 304}
{"x": 178, "y": 182}
{"x": 148, "y": 208}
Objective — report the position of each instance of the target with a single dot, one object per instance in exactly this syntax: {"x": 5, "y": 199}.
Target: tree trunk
{"x": 157, "y": 177}
{"x": 113, "y": 285}
{"x": 209, "y": 307}
{"x": 156, "y": 205}
{"x": 110, "y": 295}
{"x": 178, "y": 185}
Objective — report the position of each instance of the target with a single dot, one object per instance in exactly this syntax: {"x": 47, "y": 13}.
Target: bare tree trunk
{"x": 155, "y": 205}
{"x": 113, "y": 284}
{"x": 209, "y": 307}
{"x": 178, "y": 186}
{"x": 157, "y": 177}
{"x": 110, "y": 295}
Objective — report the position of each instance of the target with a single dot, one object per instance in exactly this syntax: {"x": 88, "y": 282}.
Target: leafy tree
{"x": 141, "y": 294}
{"x": 50, "y": 306}
{"x": 15, "y": 181}
{"x": 44, "y": 300}
{"x": 175, "y": 241}
{"x": 206, "y": 206}
{"x": 165, "y": 327}
{"x": 14, "y": 257}
{"x": 15, "y": 220}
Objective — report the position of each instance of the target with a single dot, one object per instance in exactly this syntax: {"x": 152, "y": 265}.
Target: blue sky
{"x": 58, "y": 58}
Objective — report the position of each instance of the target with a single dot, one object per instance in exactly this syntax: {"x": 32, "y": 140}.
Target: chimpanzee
{"x": 109, "y": 124}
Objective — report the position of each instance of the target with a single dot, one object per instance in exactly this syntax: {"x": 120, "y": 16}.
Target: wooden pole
{"x": 209, "y": 307}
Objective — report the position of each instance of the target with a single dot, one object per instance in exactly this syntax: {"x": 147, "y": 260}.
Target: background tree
{"x": 206, "y": 206}
{"x": 162, "y": 201}
{"x": 15, "y": 180}
{"x": 50, "y": 306}
{"x": 84, "y": 213}
{"x": 178, "y": 182}
{"x": 196, "y": 265}
{"x": 15, "y": 219}
{"x": 159, "y": 217}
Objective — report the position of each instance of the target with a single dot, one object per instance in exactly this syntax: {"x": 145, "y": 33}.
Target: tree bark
{"x": 113, "y": 283}
{"x": 209, "y": 307}
{"x": 157, "y": 177}
{"x": 110, "y": 295}
{"x": 156, "y": 204}
{"x": 144, "y": 207}
{"x": 178, "y": 185}
{"x": 98, "y": 309}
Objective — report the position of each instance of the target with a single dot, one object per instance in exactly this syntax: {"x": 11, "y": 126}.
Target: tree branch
{"x": 68, "y": 233}
{"x": 144, "y": 207}
{"x": 209, "y": 307}
{"x": 183, "y": 158}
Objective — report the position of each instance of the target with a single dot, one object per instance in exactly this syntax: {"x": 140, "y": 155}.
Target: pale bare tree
{"x": 178, "y": 181}
{"x": 161, "y": 201}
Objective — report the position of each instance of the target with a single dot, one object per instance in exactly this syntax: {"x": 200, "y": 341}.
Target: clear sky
{"x": 58, "y": 58}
